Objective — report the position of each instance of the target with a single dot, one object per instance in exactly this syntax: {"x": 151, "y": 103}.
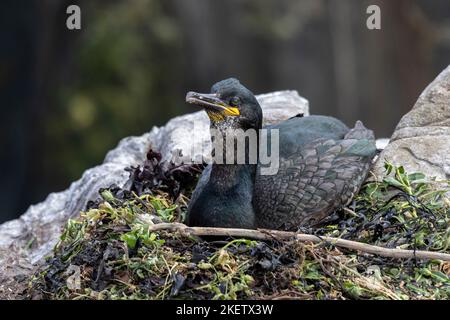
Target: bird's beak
{"x": 211, "y": 102}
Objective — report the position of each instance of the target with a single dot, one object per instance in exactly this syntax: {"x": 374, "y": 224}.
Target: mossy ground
{"x": 109, "y": 253}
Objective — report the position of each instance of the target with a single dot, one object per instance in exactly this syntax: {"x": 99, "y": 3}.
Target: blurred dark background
{"x": 67, "y": 97}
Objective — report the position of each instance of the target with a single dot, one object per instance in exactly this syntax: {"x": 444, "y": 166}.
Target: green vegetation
{"x": 404, "y": 210}
{"x": 119, "y": 258}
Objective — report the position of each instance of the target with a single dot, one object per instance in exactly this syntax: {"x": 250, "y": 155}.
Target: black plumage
{"x": 322, "y": 165}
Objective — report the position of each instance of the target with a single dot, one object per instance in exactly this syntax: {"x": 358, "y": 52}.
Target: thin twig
{"x": 267, "y": 235}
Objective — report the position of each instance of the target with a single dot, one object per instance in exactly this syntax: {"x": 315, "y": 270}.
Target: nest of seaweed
{"x": 109, "y": 252}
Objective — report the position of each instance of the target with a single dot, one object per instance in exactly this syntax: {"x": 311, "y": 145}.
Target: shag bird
{"x": 322, "y": 164}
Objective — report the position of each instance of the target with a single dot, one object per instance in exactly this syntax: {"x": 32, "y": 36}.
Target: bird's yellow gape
{"x": 216, "y": 108}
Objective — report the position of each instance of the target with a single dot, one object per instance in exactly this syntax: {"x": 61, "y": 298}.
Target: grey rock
{"x": 421, "y": 141}
{"x": 24, "y": 242}
{"x": 381, "y": 143}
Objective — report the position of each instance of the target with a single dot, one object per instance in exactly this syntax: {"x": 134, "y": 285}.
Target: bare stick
{"x": 264, "y": 234}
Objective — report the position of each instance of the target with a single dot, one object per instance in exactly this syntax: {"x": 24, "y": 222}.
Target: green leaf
{"x": 393, "y": 182}
{"x": 441, "y": 277}
{"x": 352, "y": 288}
{"x": 416, "y": 176}
{"x": 388, "y": 166}
{"x": 107, "y": 195}
{"x": 130, "y": 239}
{"x": 205, "y": 265}
{"x": 313, "y": 275}
{"x": 140, "y": 273}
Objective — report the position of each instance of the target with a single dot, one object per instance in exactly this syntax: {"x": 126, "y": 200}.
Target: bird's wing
{"x": 313, "y": 182}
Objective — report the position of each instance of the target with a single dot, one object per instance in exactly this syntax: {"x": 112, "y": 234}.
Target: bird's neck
{"x": 225, "y": 175}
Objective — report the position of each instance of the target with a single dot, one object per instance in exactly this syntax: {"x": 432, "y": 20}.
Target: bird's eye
{"x": 235, "y": 101}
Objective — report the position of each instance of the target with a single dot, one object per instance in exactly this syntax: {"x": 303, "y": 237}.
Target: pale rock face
{"x": 382, "y": 143}
{"x": 41, "y": 224}
{"x": 421, "y": 141}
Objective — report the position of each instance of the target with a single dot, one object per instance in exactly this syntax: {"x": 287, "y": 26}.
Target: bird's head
{"x": 229, "y": 104}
